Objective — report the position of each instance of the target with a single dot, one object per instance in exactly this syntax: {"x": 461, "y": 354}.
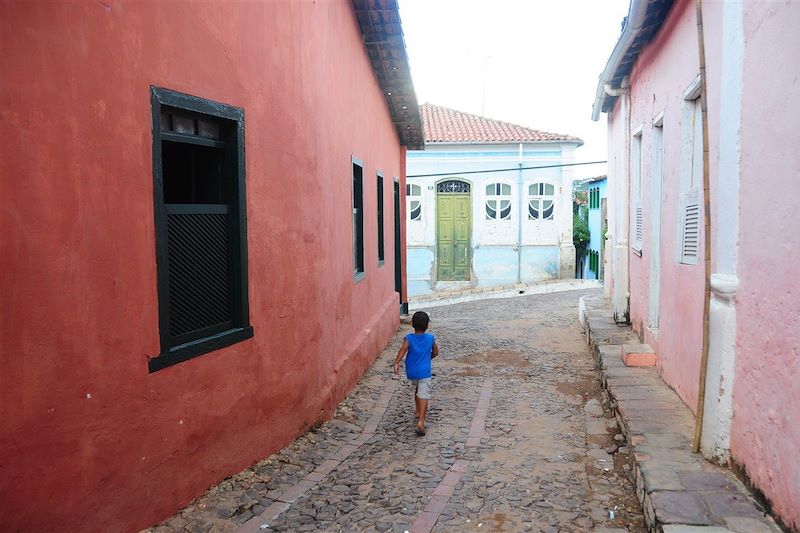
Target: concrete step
{"x": 638, "y": 355}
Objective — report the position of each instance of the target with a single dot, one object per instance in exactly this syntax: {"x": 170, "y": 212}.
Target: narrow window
{"x": 358, "y": 217}
{"x": 541, "y": 198}
{"x": 381, "y": 245}
{"x": 498, "y": 201}
{"x": 691, "y": 177}
{"x": 637, "y": 229}
{"x": 414, "y": 196}
{"x": 201, "y": 243}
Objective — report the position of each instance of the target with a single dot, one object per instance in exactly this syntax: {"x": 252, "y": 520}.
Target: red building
{"x": 201, "y": 238}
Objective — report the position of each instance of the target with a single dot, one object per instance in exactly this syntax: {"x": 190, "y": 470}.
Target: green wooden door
{"x": 454, "y": 226}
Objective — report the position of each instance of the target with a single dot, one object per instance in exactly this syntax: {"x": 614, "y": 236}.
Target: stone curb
{"x": 500, "y": 291}
{"x": 679, "y": 490}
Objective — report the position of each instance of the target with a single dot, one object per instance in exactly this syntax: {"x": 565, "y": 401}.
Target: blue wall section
{"x": 595, "y": 227}
{"x": 419, "y": 265}
{"x": 539, "y": 263}
{"x": 495, "y": 265}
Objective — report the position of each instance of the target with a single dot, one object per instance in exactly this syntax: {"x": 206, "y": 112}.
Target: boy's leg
{"x": 424, "y": 394}
{"x": 416, "y": 401}
{"x": 423, "y": 412}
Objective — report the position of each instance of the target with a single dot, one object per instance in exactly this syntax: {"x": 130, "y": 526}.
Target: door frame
{"x": 471, "y": 224}
{"x": 398, "y": 249}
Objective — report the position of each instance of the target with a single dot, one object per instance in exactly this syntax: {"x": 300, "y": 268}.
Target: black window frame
{"x": 380, "y": 216}
{"x": 232, "y": 118}
{"x": 359, "y": 272}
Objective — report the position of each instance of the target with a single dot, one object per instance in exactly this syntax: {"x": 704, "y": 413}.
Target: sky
{"x": 530, "y": 62}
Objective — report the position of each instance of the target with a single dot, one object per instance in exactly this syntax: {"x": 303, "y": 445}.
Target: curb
{"x": 680, "y": 491}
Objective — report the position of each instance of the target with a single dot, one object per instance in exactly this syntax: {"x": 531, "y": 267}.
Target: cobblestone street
{"x": 517, "y": 441}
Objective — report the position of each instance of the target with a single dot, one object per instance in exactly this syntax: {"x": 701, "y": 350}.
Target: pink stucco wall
{"x": 765, "y": 436}
{"x": 664, "y": 70}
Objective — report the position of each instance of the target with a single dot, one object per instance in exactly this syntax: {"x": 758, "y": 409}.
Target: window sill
{"x": 637, "y": 252}
{"x": 381, "y": 262}
{"x": 187, "y": 351}
{"x": 359, "y": 276}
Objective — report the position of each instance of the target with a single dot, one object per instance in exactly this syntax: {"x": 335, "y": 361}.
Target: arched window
{"x": 498, "y": 201}
{"x": 414, "y": 195}
{"x": 540, "y": 201}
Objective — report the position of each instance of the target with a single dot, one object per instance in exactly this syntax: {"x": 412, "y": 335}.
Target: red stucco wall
{"x": 91, "y": 441}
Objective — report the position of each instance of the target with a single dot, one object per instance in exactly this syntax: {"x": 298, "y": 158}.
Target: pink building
{"x": 652, "y": 92}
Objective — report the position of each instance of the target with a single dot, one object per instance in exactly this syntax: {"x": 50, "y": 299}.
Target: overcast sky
{"x": 531, "y": 62}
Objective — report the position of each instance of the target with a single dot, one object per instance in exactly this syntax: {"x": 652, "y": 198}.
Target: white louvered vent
{"x": 690, "y": 241}
{"x": 638, "y": 230}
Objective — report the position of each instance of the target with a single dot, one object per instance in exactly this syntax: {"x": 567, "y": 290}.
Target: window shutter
{"x": 690, "y": 239}
{"x": 638, "y": 230}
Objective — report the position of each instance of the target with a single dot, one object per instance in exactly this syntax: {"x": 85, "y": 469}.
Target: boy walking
{"x": 420, "y": 348}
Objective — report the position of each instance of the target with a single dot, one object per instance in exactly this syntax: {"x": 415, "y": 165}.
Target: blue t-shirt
{"x": 418, "y": 358}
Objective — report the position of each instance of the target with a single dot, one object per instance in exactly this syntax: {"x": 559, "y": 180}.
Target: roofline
{"x": 637, "y": 11}
{"x": 382, "y": 34}
{"x": 577, "y": 142}
{"x": 644, "y": 20}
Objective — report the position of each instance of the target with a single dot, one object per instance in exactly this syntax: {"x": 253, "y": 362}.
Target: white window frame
{"x": 498, "y": 197}
{"x": 637, "y": 222}
{"x": 541, "y": 197}
{"x": 410, "y": 199}
{"x": 690, "y": 207}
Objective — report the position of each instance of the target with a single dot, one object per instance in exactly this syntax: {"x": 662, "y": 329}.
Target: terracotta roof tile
{"x": 442, "y": 124}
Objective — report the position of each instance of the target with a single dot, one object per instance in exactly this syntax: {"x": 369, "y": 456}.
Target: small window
{"x": 381, "y": 246}
{"x": 414, "y": 196}
{"x": 690, "y": 234}
{"x": 541, "y": 197}
{"x": 498, "y": 201}
{"x": 199, "y": 194}
{"x": 358, "y": 217}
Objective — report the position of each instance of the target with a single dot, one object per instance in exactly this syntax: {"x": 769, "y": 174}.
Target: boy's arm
{"x": 434, "y": 350}
{"x": 400, "y": 354}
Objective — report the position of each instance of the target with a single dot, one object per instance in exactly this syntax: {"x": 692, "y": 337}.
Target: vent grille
{"x": 690, "y": 242}
{"x": 638, "y": 229}
{"x": 199, "y": 272}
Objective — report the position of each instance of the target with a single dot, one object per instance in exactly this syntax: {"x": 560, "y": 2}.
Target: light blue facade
{"x": 502, "y": 251}
{"x": 595, "y": 227}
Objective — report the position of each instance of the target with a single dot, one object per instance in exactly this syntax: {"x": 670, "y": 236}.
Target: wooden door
{"x": 454, "y": 227}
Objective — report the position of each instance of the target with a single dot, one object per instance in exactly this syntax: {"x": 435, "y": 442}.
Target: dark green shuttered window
{"x": 201, "y": 238}
{"x": 358, "y": 218}
{"x": 381, "y": 238}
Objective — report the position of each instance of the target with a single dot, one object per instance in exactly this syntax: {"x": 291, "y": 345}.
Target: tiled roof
{"x": 444, "y": 125}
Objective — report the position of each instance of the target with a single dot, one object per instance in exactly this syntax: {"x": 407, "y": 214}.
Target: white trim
{"x": 692, "y": 91}
{"x": 637, "y": 131}
{"x": 658, "y": 120}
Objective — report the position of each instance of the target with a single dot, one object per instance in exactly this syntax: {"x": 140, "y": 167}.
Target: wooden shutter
{"x": 690, "y": 234}
{"x": 638, "y": 230}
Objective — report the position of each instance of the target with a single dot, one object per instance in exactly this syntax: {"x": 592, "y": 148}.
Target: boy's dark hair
{"x": 420, "y": 321}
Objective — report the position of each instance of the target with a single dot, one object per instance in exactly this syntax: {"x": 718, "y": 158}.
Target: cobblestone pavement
{"x": 517, "y": 440}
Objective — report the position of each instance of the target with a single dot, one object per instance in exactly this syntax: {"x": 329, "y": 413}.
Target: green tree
{"x": 580, "y": 231}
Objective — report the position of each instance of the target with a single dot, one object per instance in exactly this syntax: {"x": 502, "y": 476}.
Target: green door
{"x": 454, "y": 225}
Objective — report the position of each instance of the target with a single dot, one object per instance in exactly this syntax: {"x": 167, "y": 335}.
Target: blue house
{"x": 596, "y": 192}
{"x": 476, "y": 216}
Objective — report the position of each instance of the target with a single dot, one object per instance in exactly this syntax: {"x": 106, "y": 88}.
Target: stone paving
{"x": 518, "y": 440}
{"x": 679, "y": 490}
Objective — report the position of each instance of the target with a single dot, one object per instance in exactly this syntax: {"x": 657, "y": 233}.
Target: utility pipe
{"x": 519, "y": 216}
{"x": 701, "y": 394}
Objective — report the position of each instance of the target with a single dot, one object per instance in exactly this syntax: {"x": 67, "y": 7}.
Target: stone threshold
{"x": 449, "y": 297}
{"x": 679, "y": 490}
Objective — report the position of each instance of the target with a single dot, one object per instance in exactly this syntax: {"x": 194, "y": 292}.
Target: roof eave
{"x": 644, "y": 19}
{"x": 382, "y": 34}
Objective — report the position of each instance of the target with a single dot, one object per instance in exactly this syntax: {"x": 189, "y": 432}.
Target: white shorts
{"x": 423, "y": 387}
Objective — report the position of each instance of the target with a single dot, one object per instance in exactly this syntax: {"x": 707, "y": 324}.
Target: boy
{"x": 421, "y": 348}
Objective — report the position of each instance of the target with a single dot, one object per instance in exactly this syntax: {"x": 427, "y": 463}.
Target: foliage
{"x": 580, "y": 232}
